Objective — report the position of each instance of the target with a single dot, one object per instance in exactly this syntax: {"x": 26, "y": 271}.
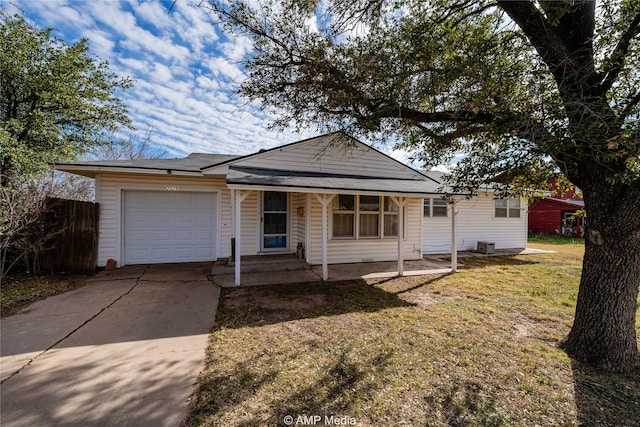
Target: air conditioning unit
{"x": 486, "y": 248}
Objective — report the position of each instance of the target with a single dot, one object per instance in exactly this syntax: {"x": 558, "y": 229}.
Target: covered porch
{"x": 344, "y": 223}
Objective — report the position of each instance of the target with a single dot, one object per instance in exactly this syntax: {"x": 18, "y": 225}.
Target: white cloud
{"x": 184, "y": 71}
{"x": 134, "y": 64}
{"x": 206, "y": 84}
{"x": 100, "y": 43}
{"x": 161, "y": 73}
{"x": 236, "y": 49}
{"x": 221, "y": 67}
{"x": 133, "y": 36}
{"x": 196, "y": 26}
{"x": 155, "y": 14}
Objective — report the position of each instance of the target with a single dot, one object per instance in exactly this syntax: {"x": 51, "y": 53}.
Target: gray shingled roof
{"x": 241, "y": 177}
{"x": 192, "y": 163}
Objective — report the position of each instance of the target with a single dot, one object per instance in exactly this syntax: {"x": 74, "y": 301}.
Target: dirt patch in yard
{"x": 286, "y": 300}
{"x": 281, "y": 303}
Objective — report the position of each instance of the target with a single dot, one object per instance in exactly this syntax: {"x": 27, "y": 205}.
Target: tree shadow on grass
{"x": 466, "y": 402}
{"x": 265, "y": 305}
{"x": 341, "y": 385}
{"x": 504, "y": 260}
{"x": 604, "y": 398}
{"x": 395, "y": 288}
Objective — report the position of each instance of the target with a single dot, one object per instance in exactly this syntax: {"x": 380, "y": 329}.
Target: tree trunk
{"x": 603, "y": 332}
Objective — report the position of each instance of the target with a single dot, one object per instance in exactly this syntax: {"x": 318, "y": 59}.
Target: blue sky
{"x": 184, "y": 71}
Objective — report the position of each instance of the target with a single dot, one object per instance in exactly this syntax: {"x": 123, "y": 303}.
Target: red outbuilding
{"x": 558, "y": 214}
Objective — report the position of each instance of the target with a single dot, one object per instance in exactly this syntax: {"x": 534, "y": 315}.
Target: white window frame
{"x": 353, "y": 213}
{"x": 356, "y": 220}
{"x": 510, "y": 204}
{"x": 377, "y": 213}
{"x": 390, "y": 213}
{"x": 429, "y": 202}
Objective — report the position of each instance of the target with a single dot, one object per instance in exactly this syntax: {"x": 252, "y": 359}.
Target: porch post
{"x": 239, "y": 197}
{"x": 454, "y": 249}
{"x": 400, "y": 201}
{"x": 325, "y": 237}
{"x": 307, "y": 227}
{"x": 324, "y": 200}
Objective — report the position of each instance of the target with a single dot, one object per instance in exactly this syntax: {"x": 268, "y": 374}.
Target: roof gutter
{"x": 92, "y": 171}
{"x": 324, "y": 190}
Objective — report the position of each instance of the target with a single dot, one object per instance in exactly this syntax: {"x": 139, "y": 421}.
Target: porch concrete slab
{"x": 276, "y": 271}
{"x": 375, "y": 270}
{"x": 134, "y": 362}
{"x": 262, "y": 264}
{"x": 337, "y": 272}
{"x": 504, "y": 252}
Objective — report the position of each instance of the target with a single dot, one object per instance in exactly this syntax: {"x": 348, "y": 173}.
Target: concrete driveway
{"x": 126, "y": 349}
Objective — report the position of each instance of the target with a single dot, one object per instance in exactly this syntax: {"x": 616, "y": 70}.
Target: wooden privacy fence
{"x": 72, "y": 230}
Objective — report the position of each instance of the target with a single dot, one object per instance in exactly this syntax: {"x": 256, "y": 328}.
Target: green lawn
{"x": 477, "y": 348}
{"x": 555, "y": 240}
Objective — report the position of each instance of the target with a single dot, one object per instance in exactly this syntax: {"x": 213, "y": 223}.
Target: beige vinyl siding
{"x": 250, "y": 225}
{"x": 226, "y": 221}
{"x": 475, "y": 222}
{"x": 109, "y": 192}
{"x": 365, "y": 250}
{"x": 436, "y": 235}
{"x": 319, "y": 156}
{"x": 298, "y": 223}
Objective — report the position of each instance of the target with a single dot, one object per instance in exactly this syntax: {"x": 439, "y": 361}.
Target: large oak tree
{"x": 522, "y": 88}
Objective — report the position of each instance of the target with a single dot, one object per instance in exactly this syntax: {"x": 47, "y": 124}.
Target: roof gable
{"x": 334, "y": 153}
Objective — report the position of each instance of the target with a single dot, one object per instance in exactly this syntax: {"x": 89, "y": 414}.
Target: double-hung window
{"x": 435, "y": 207}
{"x": 344, "y": 216}
{"x": 506, "y": 208}
{"x": 390, "y": 218}
{"x": 369, "y": 208}
{"x": 364, "y": 217}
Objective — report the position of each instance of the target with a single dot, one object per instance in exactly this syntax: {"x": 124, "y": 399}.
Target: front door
{"x": 275, "y": 221}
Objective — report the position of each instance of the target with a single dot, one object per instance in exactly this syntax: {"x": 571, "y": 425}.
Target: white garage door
{"x": 164, "y": 227}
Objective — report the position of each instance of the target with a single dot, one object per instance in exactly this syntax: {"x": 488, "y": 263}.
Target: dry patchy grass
{"x": 477, "y": 348}
{"x": 20, "y": 290}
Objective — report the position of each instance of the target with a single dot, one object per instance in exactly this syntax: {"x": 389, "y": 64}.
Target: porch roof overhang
{"x": 91, "y": 171}
{"x": 240, "y": 178}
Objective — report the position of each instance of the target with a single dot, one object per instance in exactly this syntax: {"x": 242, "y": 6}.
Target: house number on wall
{"x": 172, "y": 188}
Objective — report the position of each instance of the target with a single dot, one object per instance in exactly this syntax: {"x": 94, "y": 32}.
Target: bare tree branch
{"x": 540, "y": 33}
{"x": 617, "y": 58}
{"x": 633, "y": 101}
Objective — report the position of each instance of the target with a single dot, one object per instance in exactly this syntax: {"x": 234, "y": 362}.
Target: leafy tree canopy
{"x": 456, "y": 76}
{"x": 56, "y": 100}
{"x": 521, "y": 88}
